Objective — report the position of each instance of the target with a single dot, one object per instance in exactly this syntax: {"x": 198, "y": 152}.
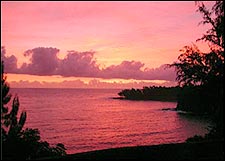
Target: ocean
{"x": 90, "y": 119}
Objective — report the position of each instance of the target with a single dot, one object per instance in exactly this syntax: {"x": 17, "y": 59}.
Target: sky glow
{"x": 108, "y": 41}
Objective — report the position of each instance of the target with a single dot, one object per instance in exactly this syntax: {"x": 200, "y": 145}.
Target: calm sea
{"x": 89, "y": 119}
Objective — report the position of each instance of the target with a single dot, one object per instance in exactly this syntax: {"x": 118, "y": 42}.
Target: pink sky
{"x": 138, "y": 36}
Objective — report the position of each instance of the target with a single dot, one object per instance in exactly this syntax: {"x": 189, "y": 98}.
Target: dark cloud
{"x": 160, "y": 73}
{"x": 44, "y": 61}
{"x": 10, "y": 63}
{"x": 132, "y": 70}
{"x": 126, "y": 70}
{"x": 78, "y": 64}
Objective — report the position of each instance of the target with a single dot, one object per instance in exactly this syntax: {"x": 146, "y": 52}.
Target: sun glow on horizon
{"x": 58, "y": 78}
{"x": 31, "y": 81}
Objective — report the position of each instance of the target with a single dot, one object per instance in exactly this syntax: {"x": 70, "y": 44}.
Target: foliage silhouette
{"x": 157, "y": 93}
{"x": 202, "y": 74}
{"x": 215, "y": 35}
{"x": 16, "y": 142}
{"x": 197, "y": 68}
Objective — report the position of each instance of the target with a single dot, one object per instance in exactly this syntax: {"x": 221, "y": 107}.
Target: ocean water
{"x": 89, "y": 119}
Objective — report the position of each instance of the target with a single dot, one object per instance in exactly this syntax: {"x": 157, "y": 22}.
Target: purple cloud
{"x": 126, "y": 70}
{"x": 132, "y": 70}
{"x": 78, "y": 64}
{"x": 10, "y": 63}
{"x": 44, "y": 61}
{"x": 160, "y": 73}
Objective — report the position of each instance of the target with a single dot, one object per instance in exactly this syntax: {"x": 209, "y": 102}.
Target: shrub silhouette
{"x": 151, "y": 93}
{"x": 16, "y": 142}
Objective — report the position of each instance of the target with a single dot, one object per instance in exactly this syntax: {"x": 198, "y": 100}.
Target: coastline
{"x": 210, "y": 150}
{"x": 161, "y": 100}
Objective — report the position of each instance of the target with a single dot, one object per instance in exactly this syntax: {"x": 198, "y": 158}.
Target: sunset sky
{"x": 96, "y": 44}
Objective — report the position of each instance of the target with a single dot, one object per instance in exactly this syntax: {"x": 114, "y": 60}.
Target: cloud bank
{"x": 10, "y": 63}
{"x": 93, "y": 83}
{"x": 44, "y": 62}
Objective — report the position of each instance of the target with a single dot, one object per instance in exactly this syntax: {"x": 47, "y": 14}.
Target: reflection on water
{"x": 89, "y": 119}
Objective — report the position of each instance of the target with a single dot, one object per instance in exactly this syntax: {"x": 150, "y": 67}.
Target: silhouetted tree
{"x": 16, "y": 142}
{"x": 215, "y": 35}
{"x": 197, "y": 68}
{"x": 9, "y": 125}
{"x": 201, "y": 74}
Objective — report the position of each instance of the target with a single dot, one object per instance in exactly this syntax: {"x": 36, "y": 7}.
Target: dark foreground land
{"x": 180, "y": 151}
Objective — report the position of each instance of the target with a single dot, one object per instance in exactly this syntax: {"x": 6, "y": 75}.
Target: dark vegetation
{"x": 201, "y": 75}
{"x": 151, "y": 93}
{"x": 19, "y": 143}
{"x": 179, "y": 151}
